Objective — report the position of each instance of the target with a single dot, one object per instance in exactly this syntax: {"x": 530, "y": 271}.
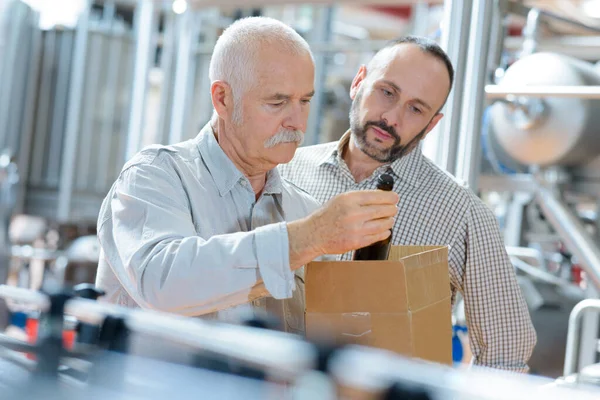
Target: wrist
{"x": 303, "y": 242}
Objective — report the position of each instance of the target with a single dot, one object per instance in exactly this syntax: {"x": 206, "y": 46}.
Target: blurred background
{"x": 85, "y": 84}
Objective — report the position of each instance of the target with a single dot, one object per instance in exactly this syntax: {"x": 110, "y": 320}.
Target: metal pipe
{"x": 11, "y": 344}
{"x": 455, "y": 39}
{"x": 284, "y": 356}
{"x": 27, "y": 129}
{"x": 542, "y": 275}
{"x": 469, "y": 150}
{"x": 322, "y": 20}
{"x": 531, "y": 32}
{"x": 15, "y": 116}
{"x": 210, "y": 32}
{"x": 60, "y": 104}
{"x": 125, "y": 79}
{"x": 69, "y": 155}
{"x": 145, "y": 20}
{"x": 17, "y": 358}
{"x": 572, "y": 351}
{"x": 10, "y": 66}
{"x": 520, "y": 9}
{"x": 190, "y": 121}
{"x": 42, "y": 120}
{"x": 108, "y": 14}
{"x": 33, "y": 253}
{"x": 497, "y": 39}
{"x": 287, "y": 357}
{"x": 166, "y": 66}
{"x": 90, "y": 99}
{"x": 582, "y": 47}
{"x": 31, "y": 297}
{"x": 186, "y": 25}
{"x": 372, "y": 371}
{"x": 581, "y": 92}
{"x": 107, "y": 135}
{"x": 572, "y": 232}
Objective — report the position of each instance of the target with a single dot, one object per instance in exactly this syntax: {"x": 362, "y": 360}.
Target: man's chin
{"x": 283, "y": 153}
{"x": 375, "y": 151}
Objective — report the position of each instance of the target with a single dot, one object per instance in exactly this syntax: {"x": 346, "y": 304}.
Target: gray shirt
{"x": 181, "y": 231}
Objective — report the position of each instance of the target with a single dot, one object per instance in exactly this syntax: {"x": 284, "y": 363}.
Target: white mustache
{"x": 285, "y": 136}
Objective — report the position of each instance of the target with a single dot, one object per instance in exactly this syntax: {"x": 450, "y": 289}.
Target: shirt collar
{"x": 274, "y": 182}
{"x": 407, "y": 168}
{"x": 223, "y": 171}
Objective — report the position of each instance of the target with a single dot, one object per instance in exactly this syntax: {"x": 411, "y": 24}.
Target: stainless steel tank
{"x": 102, "y": 125}
{"x": 552, "y": 130}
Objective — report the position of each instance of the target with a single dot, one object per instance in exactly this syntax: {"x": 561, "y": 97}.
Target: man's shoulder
{"x": 159, "y": 154}
{"x": 305, "y": 161}
{"x": 451, "y": 186}
{"x": 299, "y": 194}
{"x": 456, "y": 191}
{"x": 314, "y": 153}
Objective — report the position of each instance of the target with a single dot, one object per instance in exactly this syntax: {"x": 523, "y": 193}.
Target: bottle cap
{"x": 385, "y": 182}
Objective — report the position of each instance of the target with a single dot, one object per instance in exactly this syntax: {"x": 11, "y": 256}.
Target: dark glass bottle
{"x": 378, "y": 250}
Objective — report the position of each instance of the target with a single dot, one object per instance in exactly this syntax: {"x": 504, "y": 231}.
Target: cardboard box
{"x": 402, "y": 305}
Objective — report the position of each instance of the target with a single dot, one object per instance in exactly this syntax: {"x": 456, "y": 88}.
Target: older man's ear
{"x": 222, "y": 99}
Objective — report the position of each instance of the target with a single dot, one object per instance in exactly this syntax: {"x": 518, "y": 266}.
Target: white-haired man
{"x": 207, "y": 226}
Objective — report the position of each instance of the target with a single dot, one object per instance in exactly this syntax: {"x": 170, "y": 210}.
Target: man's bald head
{"x": 241, "y": 48}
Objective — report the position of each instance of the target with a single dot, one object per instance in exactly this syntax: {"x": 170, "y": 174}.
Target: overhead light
{"x": 591, "y": 8}
{"x": 179, "y": 6}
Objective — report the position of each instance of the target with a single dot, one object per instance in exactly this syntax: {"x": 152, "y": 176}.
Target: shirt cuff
{"x": 273, "y": 256}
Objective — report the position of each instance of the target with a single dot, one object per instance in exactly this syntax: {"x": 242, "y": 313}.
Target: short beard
{"x": 396, "y": 151}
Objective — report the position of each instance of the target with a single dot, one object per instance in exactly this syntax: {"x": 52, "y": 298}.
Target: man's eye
{"x": 387, "y": 93}
{"x": 415, "y": 110}
{"x": 277, "y": 104}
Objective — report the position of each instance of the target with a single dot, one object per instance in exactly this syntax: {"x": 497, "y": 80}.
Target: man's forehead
{"x": 283, "y": 82}
{"x": 418, "y": 73}
{"x": 408, "y": 57}
{"x": 285, "y": 95}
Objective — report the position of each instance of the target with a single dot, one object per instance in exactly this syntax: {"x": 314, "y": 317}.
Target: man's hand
{"x": 347, "y": 222}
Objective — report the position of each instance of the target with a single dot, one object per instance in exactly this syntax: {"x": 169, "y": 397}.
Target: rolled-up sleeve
{"x": 500, "y": 329}
{"x": 273, "y": 256}
{"x": 151, "y": 243}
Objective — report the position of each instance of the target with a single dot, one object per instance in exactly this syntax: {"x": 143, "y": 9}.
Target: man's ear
{"x": 222, "y": 99}
{"x": 434, "y": 121}
{"x": 356, "y": 82}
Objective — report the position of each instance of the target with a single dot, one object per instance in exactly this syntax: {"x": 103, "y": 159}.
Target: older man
{"x": 208, "y": 225}
{"x": 397, "y": 100}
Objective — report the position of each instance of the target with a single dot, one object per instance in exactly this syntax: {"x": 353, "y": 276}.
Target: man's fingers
{"x": 378, "y": 226}
{"x": 370, "y": 239}
{"x": 372, "y": 212}
{"x": 372, "y": 197}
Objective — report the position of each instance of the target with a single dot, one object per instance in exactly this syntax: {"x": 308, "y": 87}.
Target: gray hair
{"x": 234, "y": 57}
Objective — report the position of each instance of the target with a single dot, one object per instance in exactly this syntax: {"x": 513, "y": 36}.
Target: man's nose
{"x": 392, "y": 117}
{"x": 296, "y": 119}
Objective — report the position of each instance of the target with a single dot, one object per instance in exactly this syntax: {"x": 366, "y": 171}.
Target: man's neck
{"x": 361, "y": 166}
{"x": 255, "y": 174}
